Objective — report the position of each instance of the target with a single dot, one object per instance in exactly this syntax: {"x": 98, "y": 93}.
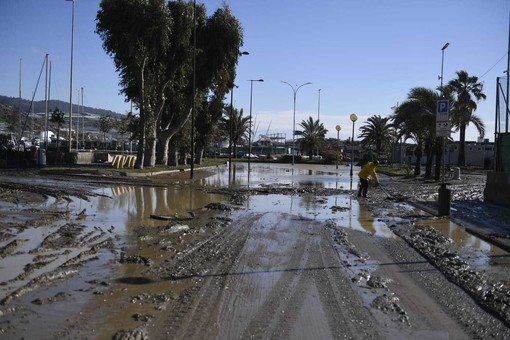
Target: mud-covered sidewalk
{"x": 279, "y": 259}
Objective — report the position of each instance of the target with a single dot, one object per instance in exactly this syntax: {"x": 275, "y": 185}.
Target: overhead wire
{"x": 504, "y": 55}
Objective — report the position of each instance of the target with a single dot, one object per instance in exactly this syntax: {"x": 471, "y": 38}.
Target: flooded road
{"x": 265, "y": 259}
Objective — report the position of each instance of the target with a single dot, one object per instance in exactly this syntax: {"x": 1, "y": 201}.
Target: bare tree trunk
{"x": 183, "y": 157}
{"x": 172, "y": 155}
{"x": 417, "y": 165}
{"x": 164, "y": 135}
{"x": 140, "y": 152}
{"x": 199, "y": 153}
{"x": 162, "y": 149}
{"x": 439, "y": 158}
{"x": 462, "y": 146}
{"x": 150, "y": 149}
{"x": 428, "y": 165}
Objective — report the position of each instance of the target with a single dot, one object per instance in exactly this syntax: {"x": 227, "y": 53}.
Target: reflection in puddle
{"x": 122, "y": 209}
{"x": 131, "y": 206}
{"x": 116, "y": 215}
{"x": 299, "y": 175}
{"x": 475, "y": 251}
{"x": 344, "y": 210}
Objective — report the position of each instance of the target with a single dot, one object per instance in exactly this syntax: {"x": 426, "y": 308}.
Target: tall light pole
{"x": 338, "y": 128}
{"x": 83, "y": 122}
{"x": 442, "y": 63}
{"x": 507, "y": 115}
{"x": 353, "y": 119}
{"x": 443, "y": 142}
{"x": 71, "y": 82}
{"x": 231, "y": 123}
{"x": 318, "y": 115}
{"x": 249, "y": 136}
{"x": 78, "y": 120}
{"x": 193, "y": 91}
{"x": 230, "y": 140}
{"x": 294, "y": 90}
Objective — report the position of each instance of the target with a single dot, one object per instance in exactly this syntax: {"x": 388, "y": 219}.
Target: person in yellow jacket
{"x": 368, "y": 170}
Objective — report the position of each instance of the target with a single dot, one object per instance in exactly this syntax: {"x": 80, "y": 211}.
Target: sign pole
{"x": 443, "y": 129}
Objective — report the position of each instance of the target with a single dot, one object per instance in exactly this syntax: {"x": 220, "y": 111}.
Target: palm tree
{"x": 239, "y": 124}
{"x": 377, "y": 132}
{"x": 467, "y": 92}
{"x": 416, "y": 118}
{"x": 312, "y": 135}
{"x": 57, "y": 117}
{"x": 105, "y": 124}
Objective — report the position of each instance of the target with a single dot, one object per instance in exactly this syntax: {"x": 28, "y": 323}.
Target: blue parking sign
{"x": 442, "y": 111}
{"x": 442, "y": 106}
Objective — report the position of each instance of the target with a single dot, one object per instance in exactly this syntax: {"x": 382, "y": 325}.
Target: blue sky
{"x": 364, "y": 55}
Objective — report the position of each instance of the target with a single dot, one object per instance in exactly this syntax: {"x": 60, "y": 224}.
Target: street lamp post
{"x": 231, "y": 122}
{"x": 443, "y": 142}
{"x": 353, "y": 119}
{"x": 319, "y": 114}
{"x": 338, "y": 128}
{"x": 442, "y": 63}
{"x": 71, "y": 81}
{"x": 193, "y": 91}
{"x": 294, "y": 90}
{"x": 249, "y": 136}
{"x": 231, "y": 131}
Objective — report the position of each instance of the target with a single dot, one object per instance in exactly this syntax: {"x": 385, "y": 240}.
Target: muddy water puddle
{"x": 344, "y": 210}
{"x": 121, "y": 210}
{"x": 299, "y": 175}
{"x": 53, "y": 269}
{"x": 478, "y": 253}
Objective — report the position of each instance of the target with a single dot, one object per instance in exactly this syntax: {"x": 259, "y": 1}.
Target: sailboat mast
{"x": 46, "y": 95}
{"x": 78, "y": 120}
{"x": 46, "y": 115}
{"x": 82, "y": 121}
{"x": 19, "y": 97}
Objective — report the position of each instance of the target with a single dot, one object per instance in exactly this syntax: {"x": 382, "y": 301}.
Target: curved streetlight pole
{"x": 294, "y": 90}
{"x": 353, "y": 119}
{"x": 249, "y": 136}
{"x": 71, "y": 82}
{"x": 338, "y": 128}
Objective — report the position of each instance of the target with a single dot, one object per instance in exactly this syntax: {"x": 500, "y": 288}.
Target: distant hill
{"x": 40, "y": 106}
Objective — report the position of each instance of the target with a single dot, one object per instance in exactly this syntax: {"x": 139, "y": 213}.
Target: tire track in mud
{"x": 275, "y": 316}
{"x": 435, "y": 306}
{"x": 451, "y": 298}
{"x": 311, "y": 288}
{"x": 193, "y": 315}
{"x": 334, "y": 298}
{"x": 281, "y": 272}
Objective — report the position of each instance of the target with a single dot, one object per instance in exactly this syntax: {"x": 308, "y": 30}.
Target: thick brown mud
{"x": 289, "y": 254}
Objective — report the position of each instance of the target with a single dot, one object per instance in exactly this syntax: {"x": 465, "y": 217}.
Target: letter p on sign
{"x": 442, "y": 111}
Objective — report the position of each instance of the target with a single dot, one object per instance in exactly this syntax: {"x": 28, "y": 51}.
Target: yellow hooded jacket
{"x": 368, "y": 170}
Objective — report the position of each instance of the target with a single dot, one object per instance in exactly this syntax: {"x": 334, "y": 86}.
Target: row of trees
{"x": 414, "y": 119}
{"x": 171, "y": 58}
